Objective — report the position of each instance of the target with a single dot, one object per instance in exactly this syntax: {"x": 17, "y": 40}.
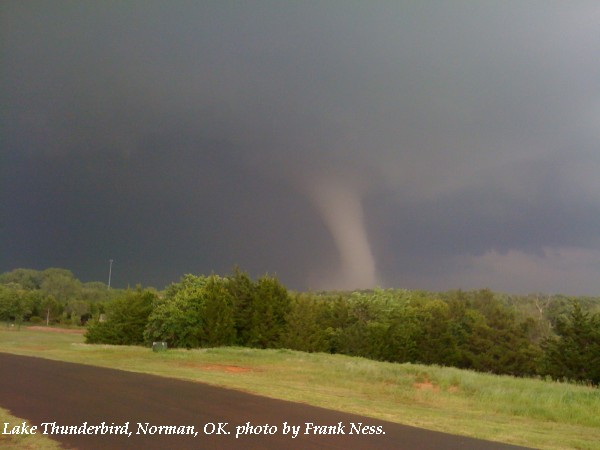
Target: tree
{"x": 50, "y": 309}
{"x": 196, "y": 312}
{"x": 14, "y": 303}
{"x": 61, "y": 284}
{"x": 403, "y": 335}
{"x": 306, "y": 326}
{"x": 438, "y": 344}
{"x": 242, "y": 290}
{"x": 126, "y": 319}
{"x": 217, "y": 316}
{"x": 269, "y": 307}
{"x": 176, "y": 318}
{"x": 75, "y": 309}
{"x": 28, "y": 279}
{"x": 95, "y": 292}
{"x": 575, "y": 353}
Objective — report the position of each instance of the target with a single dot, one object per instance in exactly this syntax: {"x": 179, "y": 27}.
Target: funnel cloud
{"x": 340, "y": 207}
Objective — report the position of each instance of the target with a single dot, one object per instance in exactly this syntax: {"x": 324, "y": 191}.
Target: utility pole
{"x": 109, "y": 271}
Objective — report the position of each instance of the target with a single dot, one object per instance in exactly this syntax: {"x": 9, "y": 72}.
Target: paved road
{"x": 45, "y": 391}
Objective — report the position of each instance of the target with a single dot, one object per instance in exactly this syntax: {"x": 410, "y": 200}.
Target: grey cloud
{"x": 454, "y": 128}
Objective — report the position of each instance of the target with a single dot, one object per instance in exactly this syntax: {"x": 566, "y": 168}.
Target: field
{"x": 526, "y": 412}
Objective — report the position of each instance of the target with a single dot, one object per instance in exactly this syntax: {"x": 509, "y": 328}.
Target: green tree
{"x": 404, "y": 334}
{"x": 217, "y": 315}
{"x": 28, "y": 279}
{"x": 96, "y": 292}
{"x": 196, "y": 312}
{"x": 242, "y": 290}
{"x": 437, "y": 343}
{"x": 75, "y": 309}
{"x": 269, "y": 307}
{"x": 306, "y": 325}
{"x": 490, "y": 336}
{"x": 61, "y": 284}
{"x": 14, "y": 303}
{"x": 575, "y": 352}
{"x": 50, "y": 309}
{"x": 126, "y": 319}
{"x": 176, "y": 318}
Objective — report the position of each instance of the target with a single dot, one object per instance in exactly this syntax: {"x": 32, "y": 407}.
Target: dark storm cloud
{"x": 339, "y": 144}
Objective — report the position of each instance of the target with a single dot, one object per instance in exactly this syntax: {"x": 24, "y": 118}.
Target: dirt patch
{"x": 429, "y": 386}
{"x": 426, "y": 386}
{"x": 232, "y": 369}
{"x": 216, "y": 367}
{"x": 58, "y": 330}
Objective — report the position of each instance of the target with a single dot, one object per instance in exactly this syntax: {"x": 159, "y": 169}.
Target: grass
{"x": 533, "y": 413}
{"x": 23, "y": 442}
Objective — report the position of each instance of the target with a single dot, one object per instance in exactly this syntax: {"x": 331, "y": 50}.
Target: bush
{"x": 126, "y": 320}
{"x": 196, "y": 312}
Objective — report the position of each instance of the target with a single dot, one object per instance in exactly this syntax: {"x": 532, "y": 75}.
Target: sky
{"x": 335, "y": 144}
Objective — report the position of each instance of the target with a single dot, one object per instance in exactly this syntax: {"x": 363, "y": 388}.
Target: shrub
{"x": 126, "y": 320}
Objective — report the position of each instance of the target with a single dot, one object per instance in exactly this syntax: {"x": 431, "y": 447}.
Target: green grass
{"x": 23, "y": 442}
{"x": 526, "y": 412}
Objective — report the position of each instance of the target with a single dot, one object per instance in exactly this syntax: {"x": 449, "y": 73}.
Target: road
{"x": 83, "y": 397}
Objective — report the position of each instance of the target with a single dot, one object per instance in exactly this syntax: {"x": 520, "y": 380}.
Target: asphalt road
{"x": 45, "y": 391}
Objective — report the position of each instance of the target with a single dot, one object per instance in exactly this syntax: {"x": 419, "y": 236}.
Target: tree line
{"x": 51, "y": 296}
{"x": 534, "y": 335}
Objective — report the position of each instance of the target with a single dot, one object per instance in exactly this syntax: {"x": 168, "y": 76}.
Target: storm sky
{"x": 337, "y": 144}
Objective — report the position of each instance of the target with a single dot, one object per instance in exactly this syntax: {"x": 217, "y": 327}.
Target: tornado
{"x": 340, "y": 206}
